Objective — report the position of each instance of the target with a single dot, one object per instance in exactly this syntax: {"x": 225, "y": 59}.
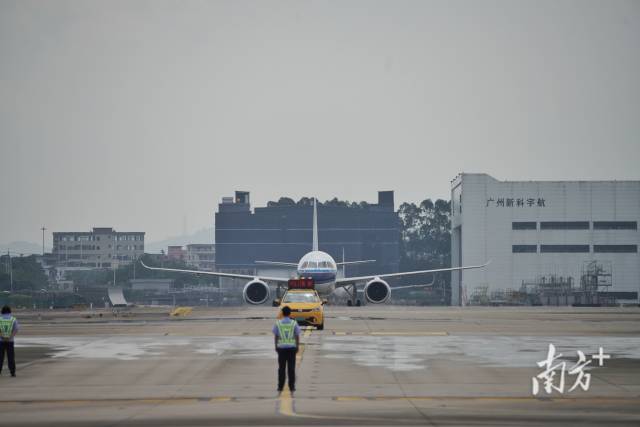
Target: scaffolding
{"x": 595, "y": 281}
{"x": 479, "y": 296}
{"x": 554, "y": 290}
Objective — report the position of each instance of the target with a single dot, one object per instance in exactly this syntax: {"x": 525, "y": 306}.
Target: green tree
{"x": 425, "y": 240}
{"x": 306, "y": 201}
{"x": 27, "y": 274}
{"x": 336, "y": 203}
{"x": 282, "y": 201}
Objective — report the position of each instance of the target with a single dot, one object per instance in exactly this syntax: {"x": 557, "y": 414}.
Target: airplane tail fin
{"x": 315, "y": 226}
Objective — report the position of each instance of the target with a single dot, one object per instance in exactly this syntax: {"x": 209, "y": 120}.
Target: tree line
{"x": 308, "y": 201}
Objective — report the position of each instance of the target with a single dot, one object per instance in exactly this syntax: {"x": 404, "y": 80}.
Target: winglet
{"x": 315, "y": 226}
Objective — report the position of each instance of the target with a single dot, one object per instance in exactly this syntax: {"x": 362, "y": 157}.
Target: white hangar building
{"x": 536, "y": 229}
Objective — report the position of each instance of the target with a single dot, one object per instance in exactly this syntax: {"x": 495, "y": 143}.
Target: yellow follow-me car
{"x": 307, "y": 308}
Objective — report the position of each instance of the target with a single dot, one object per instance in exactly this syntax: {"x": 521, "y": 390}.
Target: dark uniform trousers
{"x": 287, "y": 364}
{"x": 11, "y": 355}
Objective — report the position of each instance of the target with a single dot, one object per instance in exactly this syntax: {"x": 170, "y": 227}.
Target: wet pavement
{"x": 371, "y": 365}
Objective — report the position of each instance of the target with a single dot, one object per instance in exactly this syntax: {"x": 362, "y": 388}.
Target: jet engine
{"x": 377, "y": 291}
{"x": 256, "y": 292}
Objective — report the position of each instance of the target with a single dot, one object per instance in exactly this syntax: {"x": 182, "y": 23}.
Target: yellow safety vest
{"x": 6, "y": 326}
{"x": 286, "y": 333}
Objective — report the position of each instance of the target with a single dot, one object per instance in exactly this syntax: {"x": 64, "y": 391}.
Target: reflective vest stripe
{"x": 6, "y": 326}
{"x": 286, "y": 333}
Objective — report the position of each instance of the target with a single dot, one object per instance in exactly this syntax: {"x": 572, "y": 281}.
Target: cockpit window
{"x": 317, "y": 264}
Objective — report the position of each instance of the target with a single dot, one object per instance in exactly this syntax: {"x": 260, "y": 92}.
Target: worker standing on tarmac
{"x": 8, "y": 330}
{"x": 287, "y": 339}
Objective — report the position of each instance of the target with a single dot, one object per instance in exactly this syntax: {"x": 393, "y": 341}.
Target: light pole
{"x": 10, "y": 269}
{"x": 43, "y": 229}
{"x": 115, "y": 255}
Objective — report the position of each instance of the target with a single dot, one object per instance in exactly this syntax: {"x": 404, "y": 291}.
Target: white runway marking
{"x": 402, "y": 353}
{"x": 138, "y": 347}
{"x": 397, "y": 353}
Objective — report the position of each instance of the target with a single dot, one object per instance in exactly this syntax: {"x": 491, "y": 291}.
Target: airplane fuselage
{"x": 322, "y": 268}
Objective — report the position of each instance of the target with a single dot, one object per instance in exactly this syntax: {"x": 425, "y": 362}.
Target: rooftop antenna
{"x": 315, "y": 226}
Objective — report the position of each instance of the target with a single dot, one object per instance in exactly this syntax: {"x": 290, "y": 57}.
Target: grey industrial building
{"x": 103, "y": 247}
{"x": 284, "y": 233}
{"x": 567, "y": 241}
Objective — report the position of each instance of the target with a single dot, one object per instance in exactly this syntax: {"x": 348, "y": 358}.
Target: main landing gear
{"x": 352, "y": 290}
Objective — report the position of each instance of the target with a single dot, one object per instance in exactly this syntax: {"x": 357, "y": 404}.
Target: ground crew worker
{"x": 287, "y": 339}
{"x": 8, "y": 330}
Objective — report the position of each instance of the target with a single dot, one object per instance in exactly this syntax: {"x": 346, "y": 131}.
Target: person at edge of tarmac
{"x": 8, "y": 329}
{"x": 287, "y": 339}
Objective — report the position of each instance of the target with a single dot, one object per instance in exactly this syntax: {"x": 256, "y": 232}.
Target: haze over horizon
{"x": 143, "y": 115}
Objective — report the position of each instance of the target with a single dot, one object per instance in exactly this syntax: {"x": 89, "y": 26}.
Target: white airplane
{"x": 322, "y": 268}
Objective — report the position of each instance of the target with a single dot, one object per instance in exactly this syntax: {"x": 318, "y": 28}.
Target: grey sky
{"x": 137, "y": 114}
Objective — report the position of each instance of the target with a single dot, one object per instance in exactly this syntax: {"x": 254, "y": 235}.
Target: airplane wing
{"x": 351, "y": 280}
{"x": 278, "y": 263}
{"x": 395, "y": 288}
{"x": 218, "y": 274}
{"x": 355, "y": 262}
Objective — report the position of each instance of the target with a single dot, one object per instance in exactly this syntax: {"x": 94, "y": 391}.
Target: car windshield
{"x": 300, "y": 297}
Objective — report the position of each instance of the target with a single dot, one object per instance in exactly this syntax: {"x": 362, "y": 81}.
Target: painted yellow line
{"x": 385, "y": 333}
{"x": 285, "y": 404}
{"x": 305, "y": 335}
{"x": 288, "y": 399}
{"x": 593, "y": 399}
{"x": 144, "y": 401}
{"x": 413, "y": 334}
{"x": 220, "y": 399}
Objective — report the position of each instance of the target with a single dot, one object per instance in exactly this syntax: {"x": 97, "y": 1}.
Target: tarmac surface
{"x": 372, "y": 365}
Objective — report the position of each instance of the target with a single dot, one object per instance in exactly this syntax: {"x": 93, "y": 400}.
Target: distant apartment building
{"x": 176, "y": 253}
{"x": 103, "y": 247}
{"x": 201, "y": 256}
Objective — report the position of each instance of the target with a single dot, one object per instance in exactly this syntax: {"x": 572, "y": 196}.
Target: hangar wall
{"x": 531, "y": 229}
